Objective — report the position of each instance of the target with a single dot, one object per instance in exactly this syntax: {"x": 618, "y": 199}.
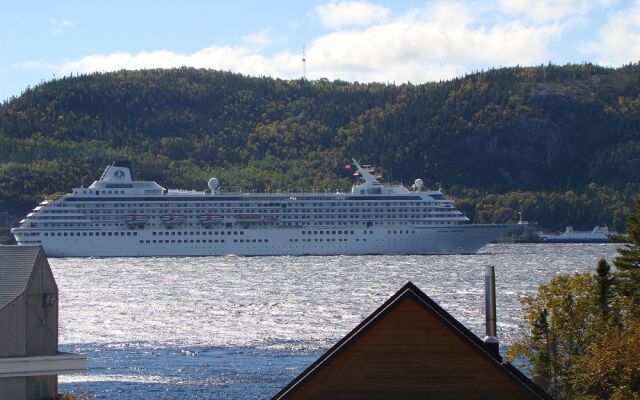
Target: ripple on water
{"x": 253, "y": 323}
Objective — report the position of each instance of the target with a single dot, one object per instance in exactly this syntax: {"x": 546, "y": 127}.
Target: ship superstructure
{"x": 118, "y": 216}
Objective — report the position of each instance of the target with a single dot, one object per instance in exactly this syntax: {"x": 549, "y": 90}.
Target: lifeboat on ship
{"x": 248, "y": 218}
{"x": 210, "y": 219}
{"x": 171, "y": 220}
{"x": 136, "y": 220}
{"x": 269, "y": 219}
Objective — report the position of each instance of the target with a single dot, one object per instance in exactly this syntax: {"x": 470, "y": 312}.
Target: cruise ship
{"x": 119, "y": 216}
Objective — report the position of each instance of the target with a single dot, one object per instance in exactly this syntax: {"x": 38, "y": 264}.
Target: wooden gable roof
{"x": 410, "y": 348}
{"x": 16, "y": 268}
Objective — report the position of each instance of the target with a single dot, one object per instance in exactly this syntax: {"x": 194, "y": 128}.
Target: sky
{"x": 385, "y": 41}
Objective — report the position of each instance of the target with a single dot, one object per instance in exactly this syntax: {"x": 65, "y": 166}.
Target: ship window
{"x": 135, "y": 233}
{"x": 266, "y": 240}
{"x": 153, "y": 241}
{"x": 235, "y": 240}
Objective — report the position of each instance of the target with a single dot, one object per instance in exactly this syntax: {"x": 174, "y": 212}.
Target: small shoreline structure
{"x": 29, "y": 358}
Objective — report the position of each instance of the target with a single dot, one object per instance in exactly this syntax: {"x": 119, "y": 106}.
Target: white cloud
{"x": 552, "y": 10}
{"x": 619, "y": 39}
{"x": 540, "y": 10}
{"x": 60, "y": 25}
{"x": 36, "y": 65}
{"x": 239, "y": 59}
{"x": 350, "y": 13}
{"x": 439, "y": 42}
{"x": 261, "y": 39}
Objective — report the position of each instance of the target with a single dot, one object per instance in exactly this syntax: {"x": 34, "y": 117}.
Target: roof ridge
{"x": 410, "y": 289}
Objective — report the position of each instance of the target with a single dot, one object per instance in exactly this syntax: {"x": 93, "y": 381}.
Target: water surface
{"x": 243, "y": 327}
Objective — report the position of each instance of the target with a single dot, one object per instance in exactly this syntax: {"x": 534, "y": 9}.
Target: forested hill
{"x": 560, "y": 142}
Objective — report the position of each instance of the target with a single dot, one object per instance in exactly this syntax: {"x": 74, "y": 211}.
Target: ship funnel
{"x": 491, "y": 340}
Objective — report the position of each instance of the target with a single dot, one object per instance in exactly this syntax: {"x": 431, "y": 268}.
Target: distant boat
{"x": 599, "y": 234}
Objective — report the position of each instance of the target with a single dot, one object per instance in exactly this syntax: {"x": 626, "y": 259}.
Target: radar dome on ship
{"x": 419, "y": 183}
{"x": 213, "y": 184}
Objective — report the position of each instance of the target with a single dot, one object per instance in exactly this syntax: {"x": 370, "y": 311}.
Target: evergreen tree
{"x": 627, "y": 261}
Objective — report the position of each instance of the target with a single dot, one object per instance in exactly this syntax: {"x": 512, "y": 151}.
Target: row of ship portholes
{"x": 325, "y": 240}
{"x": 203, "y": 233}
{"x": 197, "y": 241}
{"x": 91, "y": 234}
{"x": 197, "y": 233}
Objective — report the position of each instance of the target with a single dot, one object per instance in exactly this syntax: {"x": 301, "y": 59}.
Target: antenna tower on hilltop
{"x": 304, "y": 62}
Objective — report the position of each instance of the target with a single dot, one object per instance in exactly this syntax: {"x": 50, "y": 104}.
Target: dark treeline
{"x": 561, "y": 143}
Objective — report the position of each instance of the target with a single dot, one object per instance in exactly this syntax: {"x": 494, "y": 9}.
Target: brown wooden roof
{"x": 411, "y": 348}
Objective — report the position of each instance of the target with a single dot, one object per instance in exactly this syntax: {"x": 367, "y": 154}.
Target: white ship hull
{"x": 117, "y": 216}
{"x": 461, "y": 239}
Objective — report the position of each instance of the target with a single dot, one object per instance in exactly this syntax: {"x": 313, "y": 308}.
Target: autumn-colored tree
{"x": 584, "y": 337}
{"x": 562, "y": 317}
{"x": 610, "y": 368}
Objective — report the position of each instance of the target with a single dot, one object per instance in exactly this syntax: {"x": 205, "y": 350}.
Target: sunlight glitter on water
{"x": 279, "y": 309}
